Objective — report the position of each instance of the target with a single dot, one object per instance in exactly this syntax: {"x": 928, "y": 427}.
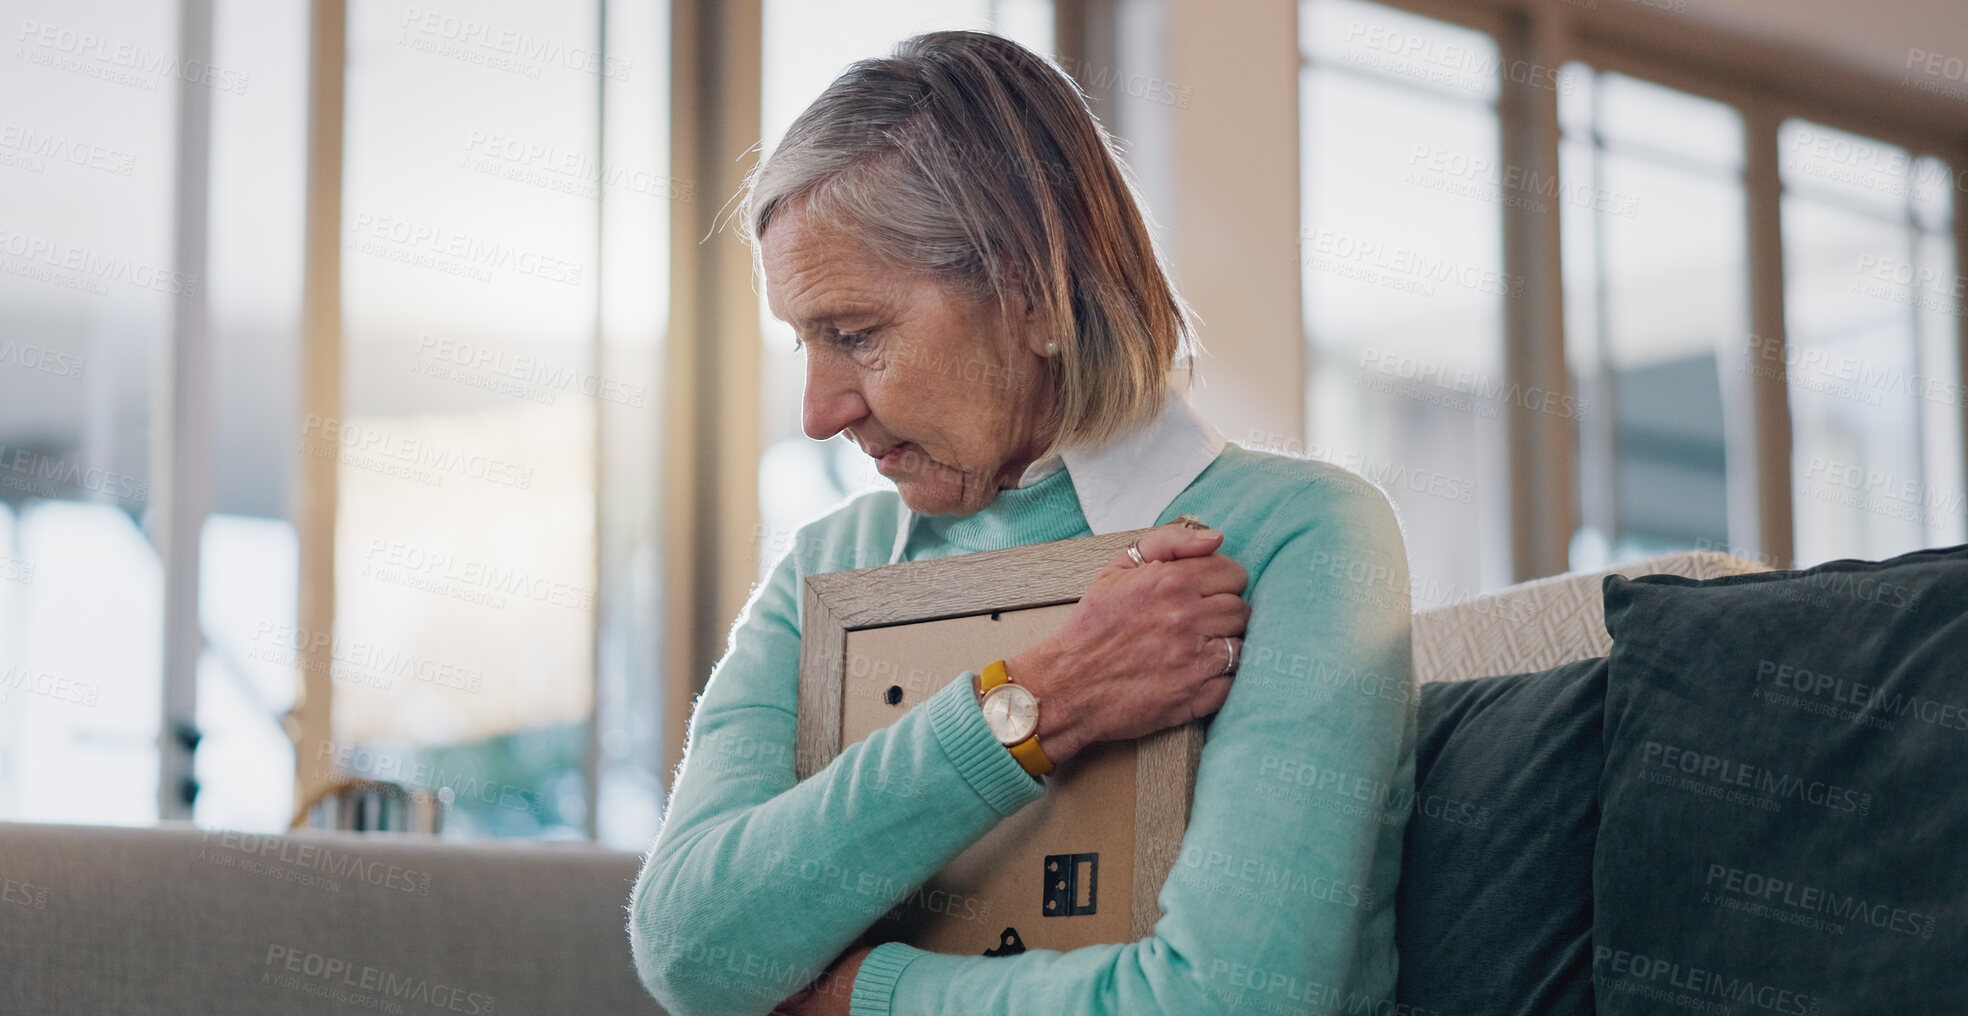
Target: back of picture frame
{"x": 1081, "y": 866}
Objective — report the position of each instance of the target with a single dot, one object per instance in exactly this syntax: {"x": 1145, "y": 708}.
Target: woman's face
{"x": 929, "y": 380}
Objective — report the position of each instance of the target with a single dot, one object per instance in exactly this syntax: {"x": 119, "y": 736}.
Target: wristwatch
{"x": 1012, "y": 712}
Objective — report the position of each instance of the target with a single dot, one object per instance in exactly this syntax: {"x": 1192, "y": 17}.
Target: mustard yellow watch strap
{"x": 1030, "y": 756}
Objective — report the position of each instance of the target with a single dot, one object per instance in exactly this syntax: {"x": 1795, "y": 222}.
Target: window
{"x": 501, "y": 240}
{"x": 93, "y": 277}
{"x": 504, "y": 263}
{"x": 1656, "y": 301}
{"x": 1401, "y": 254}
{"x": 465, "y": 529}
{"x": 1872, "y": 309}
{"x": 1673, "y": 233}
{"x": 497, "y": 429}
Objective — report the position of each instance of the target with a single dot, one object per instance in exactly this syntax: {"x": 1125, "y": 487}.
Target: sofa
{"x": 1720, "y": 790}
{"x": 180, "y": 920}
{"x": 177, "y": 920}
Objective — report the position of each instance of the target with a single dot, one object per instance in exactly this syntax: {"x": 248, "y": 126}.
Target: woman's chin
{"x": 923, "y": 498}
{"x": 932, "y": 495}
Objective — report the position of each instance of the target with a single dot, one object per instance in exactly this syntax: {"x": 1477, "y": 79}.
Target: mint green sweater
{"x": 1282, "y": 896}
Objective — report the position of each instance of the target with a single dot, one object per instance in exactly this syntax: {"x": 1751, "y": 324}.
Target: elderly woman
{"x": 953, "y": 206}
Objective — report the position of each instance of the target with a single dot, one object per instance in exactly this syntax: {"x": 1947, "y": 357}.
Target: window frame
{"x": 1766, "y": 85}
{"x": 309, "y": 722}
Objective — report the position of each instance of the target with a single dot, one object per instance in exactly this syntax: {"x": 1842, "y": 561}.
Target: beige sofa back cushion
{"x": 1540, "y": 624}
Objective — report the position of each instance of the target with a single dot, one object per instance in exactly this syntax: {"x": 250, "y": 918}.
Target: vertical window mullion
{"x": 183, "y": 429}
{"x": 1959, "y": 168}
{"x": 712, "y": 353}
{"x": 1542, "y": 459}
{"x": 1598, "y": 465}
{"x": 1760, "y": 516}
{"x": 316, "y": 503}
{"x": 598, "y": 354}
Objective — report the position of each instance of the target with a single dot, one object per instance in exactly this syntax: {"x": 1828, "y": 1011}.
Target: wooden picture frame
{"x": 994, "y": 603}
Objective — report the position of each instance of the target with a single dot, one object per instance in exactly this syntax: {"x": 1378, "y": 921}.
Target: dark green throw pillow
{"x": 1494, "y": 915}
{"x": 1785, "y": 796}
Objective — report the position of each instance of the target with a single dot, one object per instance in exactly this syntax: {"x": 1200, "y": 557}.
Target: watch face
{"x": 1012, "y": 713}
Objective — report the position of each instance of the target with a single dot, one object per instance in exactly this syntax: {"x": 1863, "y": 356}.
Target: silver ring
{"x": 1134, "y": 553}
{"x": 1230, "y": 665}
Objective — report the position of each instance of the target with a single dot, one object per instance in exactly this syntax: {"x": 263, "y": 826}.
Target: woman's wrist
{"x": 1062, "y": 729}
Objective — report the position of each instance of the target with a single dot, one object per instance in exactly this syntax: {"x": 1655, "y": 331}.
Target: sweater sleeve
{"x": 1281, "y": 899}
{"x": 757, "y": 882}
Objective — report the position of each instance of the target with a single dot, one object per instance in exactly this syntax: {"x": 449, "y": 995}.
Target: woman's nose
{"x": 832, "y": 401}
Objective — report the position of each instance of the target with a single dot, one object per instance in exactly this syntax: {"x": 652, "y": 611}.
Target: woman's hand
{"x": 1144, "y": 649}
{"x": 831, "y": 993}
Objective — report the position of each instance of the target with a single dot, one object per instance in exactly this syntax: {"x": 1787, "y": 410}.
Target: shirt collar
{"x": 1128, "y": 482}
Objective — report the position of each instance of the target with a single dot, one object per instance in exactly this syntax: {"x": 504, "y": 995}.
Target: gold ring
{"x": 1134, "y": 553}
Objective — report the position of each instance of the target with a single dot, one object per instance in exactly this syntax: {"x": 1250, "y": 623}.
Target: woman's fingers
{"x": 1172, "y": 542}
{"x": 1163, "y": 636}
{"x": 1220, "y": 655}
{"x": 1208, "y": 576}
{"x": 1210, "y": 697}
{"x": 1183, "y": 542}
{"x": 1194, "y": 552}
{"x": 1224, "y": 614}
{"x": 1218, "y": 573}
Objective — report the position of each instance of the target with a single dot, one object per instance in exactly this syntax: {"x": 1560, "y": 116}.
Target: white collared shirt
{"x": 1128, "y": 482}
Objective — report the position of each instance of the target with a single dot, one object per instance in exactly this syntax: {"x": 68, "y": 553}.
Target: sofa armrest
{"x": 178, "y": 919}
{"x": 1540, "y": 624}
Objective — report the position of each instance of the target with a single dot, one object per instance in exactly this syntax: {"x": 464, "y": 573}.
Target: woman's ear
{"x": 1032, "y": 327}
{"x": 1024, "y": 321}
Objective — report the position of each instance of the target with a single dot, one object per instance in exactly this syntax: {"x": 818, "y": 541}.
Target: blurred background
{"x": 381, "y": 398}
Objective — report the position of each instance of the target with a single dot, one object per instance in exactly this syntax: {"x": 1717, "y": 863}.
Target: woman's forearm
{"x": 757, "y": 881}
{"x": 738, "y": 910}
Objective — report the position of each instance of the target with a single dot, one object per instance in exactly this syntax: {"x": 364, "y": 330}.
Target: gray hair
{"x": 969, "y": 158}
